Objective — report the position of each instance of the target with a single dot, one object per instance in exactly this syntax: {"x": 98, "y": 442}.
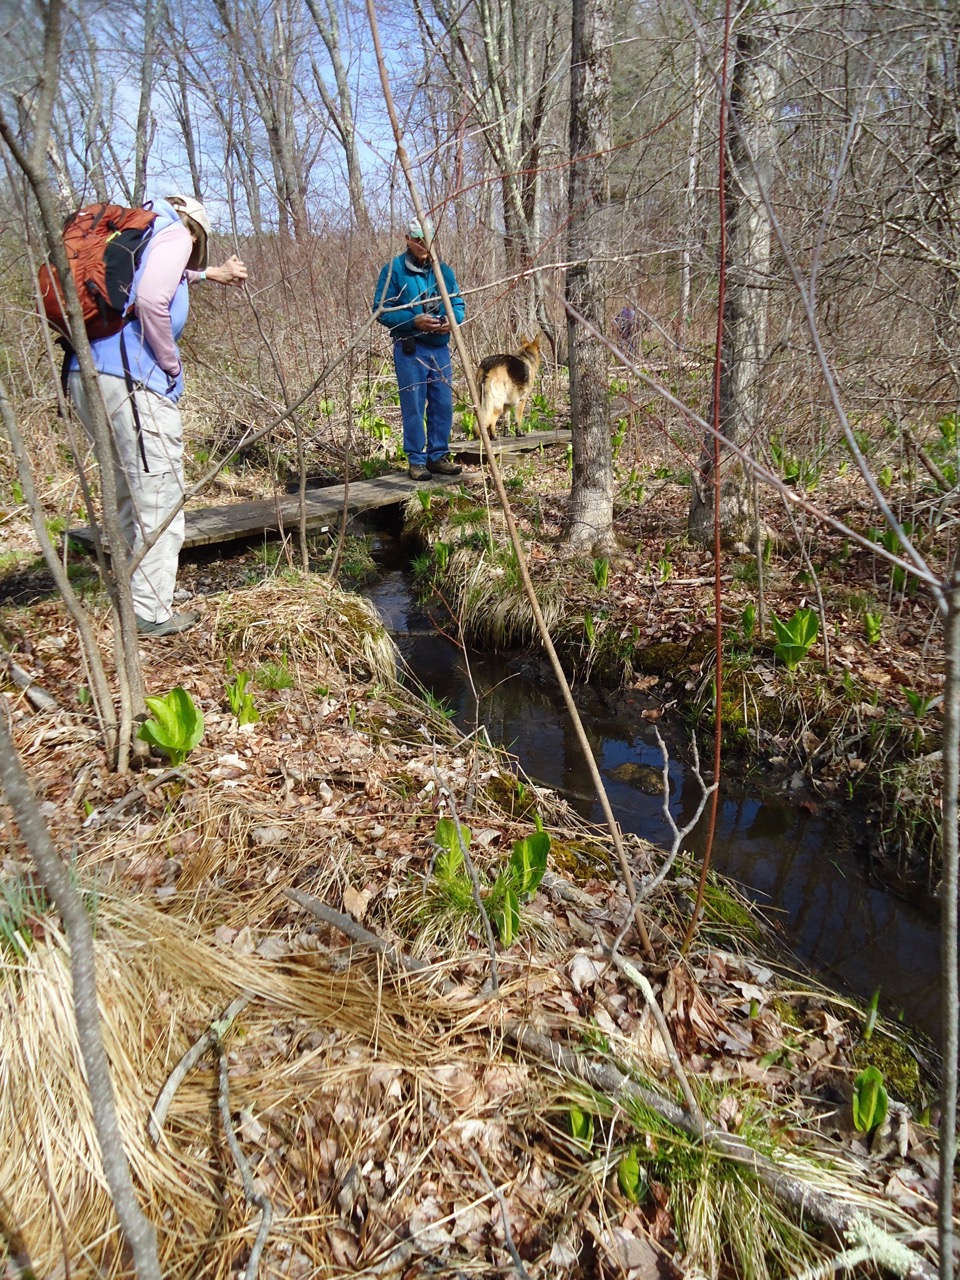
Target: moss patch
{"x": 722, "y": 907}
{"x": 504, "y": 793}
{"x": 787, "y": 1013}
{"x": 581, "y": 860}
{"x": 901, "y": 1071}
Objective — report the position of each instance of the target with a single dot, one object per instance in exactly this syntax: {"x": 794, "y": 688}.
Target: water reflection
{"x": 799, "y": 864}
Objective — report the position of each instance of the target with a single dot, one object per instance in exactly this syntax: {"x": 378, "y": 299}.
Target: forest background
{"x": 789, "y": 171}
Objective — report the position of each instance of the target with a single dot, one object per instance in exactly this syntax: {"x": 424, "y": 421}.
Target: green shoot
{"x": 870, "y": 1100}
{"x": 873, "y": 1012}
{"x": 241, "y": 702}
{"x": 176, "y": 725}
{"x": 795, "y": 637}
{"x": 872, "y": 626}
{"x": 919, "y": 703}
{"x": 589, "y": 629}
{"x": 748, "y": 621}
{"x": 630, "y": 1177}
{"x": 581, "y": 1127}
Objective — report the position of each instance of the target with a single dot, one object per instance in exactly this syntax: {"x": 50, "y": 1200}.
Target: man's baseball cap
{"x": 415, "y": 231}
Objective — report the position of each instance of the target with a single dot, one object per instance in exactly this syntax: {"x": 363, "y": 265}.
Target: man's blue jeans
{"x": 425, "y": 380}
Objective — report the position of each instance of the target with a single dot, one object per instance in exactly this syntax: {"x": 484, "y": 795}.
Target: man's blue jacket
{"x": 406, "y": 293}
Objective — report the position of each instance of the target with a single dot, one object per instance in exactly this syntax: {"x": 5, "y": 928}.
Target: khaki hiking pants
{"x": 146, "y": 494}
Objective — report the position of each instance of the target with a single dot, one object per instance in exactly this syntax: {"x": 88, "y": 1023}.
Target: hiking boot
{"x": 418, "y": 473}
{"x": 444, "y": 467}
{"x": 169, "y": 626}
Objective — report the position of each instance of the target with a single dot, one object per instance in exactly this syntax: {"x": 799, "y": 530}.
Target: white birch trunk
{"x": 749, "y": 172}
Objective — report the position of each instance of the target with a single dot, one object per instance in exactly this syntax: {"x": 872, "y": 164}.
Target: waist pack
{"x": 104, "y": 244}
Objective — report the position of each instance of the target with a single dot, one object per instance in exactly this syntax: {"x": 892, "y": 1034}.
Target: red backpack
{"x": 104, "y": 244}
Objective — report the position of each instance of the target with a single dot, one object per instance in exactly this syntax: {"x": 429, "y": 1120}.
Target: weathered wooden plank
{"x": 211, "y": 525}
{"x": 472, "y": 450}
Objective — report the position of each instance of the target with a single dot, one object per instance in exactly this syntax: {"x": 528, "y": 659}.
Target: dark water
{"x": 800, "y": 863}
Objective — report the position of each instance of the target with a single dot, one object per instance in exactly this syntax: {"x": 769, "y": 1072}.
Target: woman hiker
{"x": 141, "y": 380}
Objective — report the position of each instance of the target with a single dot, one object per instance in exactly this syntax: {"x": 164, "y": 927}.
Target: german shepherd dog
{"x": 505, "y": 382}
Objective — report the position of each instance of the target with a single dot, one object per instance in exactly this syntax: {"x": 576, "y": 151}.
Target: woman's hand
{"x": 233, "y": 271}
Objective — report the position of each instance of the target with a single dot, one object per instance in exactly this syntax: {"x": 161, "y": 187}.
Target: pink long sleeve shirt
{"x": 164, "y": 268}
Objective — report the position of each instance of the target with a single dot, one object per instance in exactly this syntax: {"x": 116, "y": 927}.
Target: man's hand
{"x": 232, "y": 271}
{"x": 428, "y": 324}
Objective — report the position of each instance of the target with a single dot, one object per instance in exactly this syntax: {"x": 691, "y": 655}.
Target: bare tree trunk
{"x": 151, "y": 16}
{"x": 950, "y": 1032}
{"x": 693, "y": 177}
{"x": 185, "y": 120}
{"x": 137, "y": 1230}
{"x": 590, "y": 520}
{"x": 240, "y": 155}
{"x": 93, "y": 156}
{"x": 512, "y": 83}
{"x": 941, "y": 176}
{"x": 341, "y": 110}
{"x": 269, "y": 77}
{"x": 749, "y": 172}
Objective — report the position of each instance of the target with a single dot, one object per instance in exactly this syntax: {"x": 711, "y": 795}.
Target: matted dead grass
{"x": 312, "y": 620}
{"x": 325, "y": 1067}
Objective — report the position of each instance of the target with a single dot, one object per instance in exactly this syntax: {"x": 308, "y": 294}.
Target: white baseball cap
{"x": 415, "y": 231}
{"x": 193, "y": 210}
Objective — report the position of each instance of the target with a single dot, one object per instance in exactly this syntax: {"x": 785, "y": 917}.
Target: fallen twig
{"x": 34, "y": 692}
{"x": 910, "y": 439}
{"x": 363, "y": 937}
{"x": 507, "y": 1234}
{"x": 207, "y": 1041}
{"x": 139, "y": 792}
{"x": 633, "y": 974}
{"x": 254, "y": 1197}
{"x": 803, "y": 1198}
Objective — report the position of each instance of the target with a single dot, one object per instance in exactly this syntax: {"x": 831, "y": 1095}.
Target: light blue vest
{"x": 142, "y": 363}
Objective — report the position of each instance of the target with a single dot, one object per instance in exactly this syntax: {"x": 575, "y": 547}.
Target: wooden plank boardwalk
{"x": 210, "y": 526}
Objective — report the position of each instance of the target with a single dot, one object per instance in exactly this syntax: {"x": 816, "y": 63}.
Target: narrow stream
{"x": 797, "y": 861}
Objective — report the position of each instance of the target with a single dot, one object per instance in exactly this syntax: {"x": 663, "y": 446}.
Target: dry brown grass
{"x": 327, "y": 631}
{"x": 301, "y": 1054}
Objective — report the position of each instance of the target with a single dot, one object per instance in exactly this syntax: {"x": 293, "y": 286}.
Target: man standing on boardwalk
{"x": 407, "y": 301}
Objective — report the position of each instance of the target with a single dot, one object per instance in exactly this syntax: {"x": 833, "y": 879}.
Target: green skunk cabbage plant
{"x": 869, "y": 1100}
{"x": 581, "y": 1127}
{"x": 518, "y": 881}
{"x": 795, "y": 638}
{"x": 176, "y": 725}
{"x": 630, "y": 1176}
{"x": 515, "y": 883}
{"x": 447, "y": 834}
